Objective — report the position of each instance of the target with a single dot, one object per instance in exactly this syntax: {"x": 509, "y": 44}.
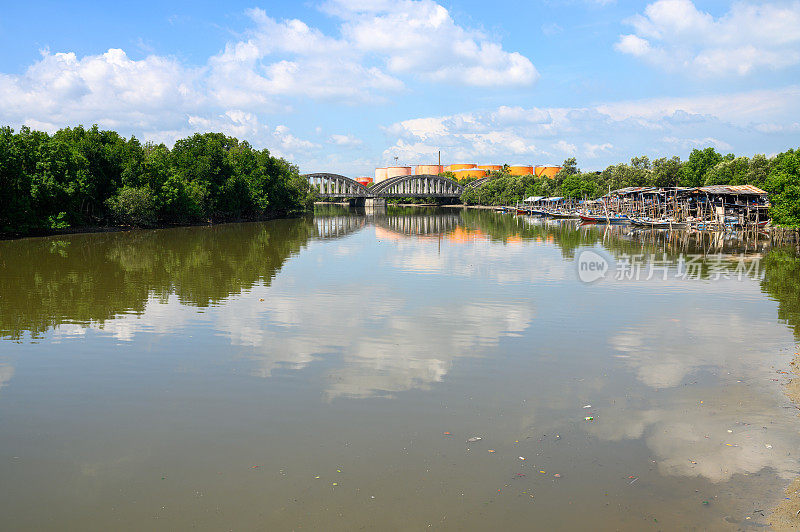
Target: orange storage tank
{"x": 520, "y": 170}
{"x": 428, "y": 169}
{"x": 470, "y": 172}
{"x": 364, "y": 180}
{"x": 380, "y": 174}
{"x": 490, "y": 167}
{"x": 397, "y": 171}
{"x": 459, "y": 166}
{"x": 547, "y": 171}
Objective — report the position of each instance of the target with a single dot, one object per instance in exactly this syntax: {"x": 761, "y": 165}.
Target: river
{"x": 327, "y": 373}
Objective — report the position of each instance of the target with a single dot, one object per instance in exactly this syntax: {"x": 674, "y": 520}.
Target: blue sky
{"x": 347, "y": 85}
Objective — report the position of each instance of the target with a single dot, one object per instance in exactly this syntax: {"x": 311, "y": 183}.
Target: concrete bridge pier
{"x": 375, "y": 202}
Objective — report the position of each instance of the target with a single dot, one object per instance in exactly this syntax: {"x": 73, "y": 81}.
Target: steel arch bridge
{"x": 425, "y": 185}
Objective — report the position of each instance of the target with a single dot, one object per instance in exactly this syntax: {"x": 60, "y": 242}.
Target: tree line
{"x": 80, "y": 177}
{"x": 778, "y": 175}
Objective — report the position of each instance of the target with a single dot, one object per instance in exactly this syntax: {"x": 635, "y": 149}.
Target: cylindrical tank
{"x": 364, "y": 180}
{"x": 396, "y": 171}
{"x": 428, "y": 169}
{"x": 470, "y": 172}
{"x": 490, "y": 167}
{"x": 547, "y": 171}
{"x": 520, "y": 170}
{"x": 380, "y": 174}
{"x": 459, "y": 166}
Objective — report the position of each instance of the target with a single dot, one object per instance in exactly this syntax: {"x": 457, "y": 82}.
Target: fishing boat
{"x": 657, "y": 224}
{"x": 561, "y": 214}
{"x": 604, "y": 219}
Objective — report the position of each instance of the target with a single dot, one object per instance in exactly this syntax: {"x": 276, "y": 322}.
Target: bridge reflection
{"x": 332, "y": 227}
{"x": 339, "y": 222}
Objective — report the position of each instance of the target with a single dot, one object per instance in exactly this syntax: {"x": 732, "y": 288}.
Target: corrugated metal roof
{"x": 733, "y": 189}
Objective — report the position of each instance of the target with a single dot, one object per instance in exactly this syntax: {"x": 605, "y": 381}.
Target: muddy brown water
{"x": 326, "y": 373}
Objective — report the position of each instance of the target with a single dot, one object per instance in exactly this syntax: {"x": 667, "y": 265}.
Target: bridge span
{"x": 331, "y": 186}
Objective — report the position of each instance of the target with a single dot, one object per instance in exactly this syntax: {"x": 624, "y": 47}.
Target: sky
{"x": 344, "y": 86}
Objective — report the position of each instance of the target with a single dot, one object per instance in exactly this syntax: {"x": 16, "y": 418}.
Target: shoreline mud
{"x": 786, "y": 516}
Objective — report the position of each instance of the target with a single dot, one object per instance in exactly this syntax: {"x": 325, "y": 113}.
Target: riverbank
{"x": 90, "y": 229}
{"x": 786, "y": 516}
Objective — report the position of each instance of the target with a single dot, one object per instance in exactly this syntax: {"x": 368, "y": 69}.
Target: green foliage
{"x": 134, "y": 206}
{"x": 694, "y": 170}
{"x": 79, "y": 177}
{"x": 666, "y": 172}
{"x": 729, "y": 172}
{"x": 783, "y": 184}
{"x": 58, "y": 221}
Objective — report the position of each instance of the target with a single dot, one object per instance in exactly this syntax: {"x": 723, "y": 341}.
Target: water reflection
{"x": 206, "y": 351}
{"x": 710, "y": 435}
{"x": 656, "y": 348}
{"x": 6, "y": 372}
{"x": 84, "y": 279}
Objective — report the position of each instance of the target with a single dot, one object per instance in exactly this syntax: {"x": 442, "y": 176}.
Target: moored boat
{"x": 604, "y": 219}
{"x": 559, "y": 214}
{"x": 657, "y": 224}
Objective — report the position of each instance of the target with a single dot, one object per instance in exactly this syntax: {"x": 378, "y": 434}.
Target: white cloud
{"x": 420, "y": 37}
{"x": 551, "y": 29}
{"x": 565, "y": 147}
{"x": 689, "y": 143}
{"x": 655, "y": 126}
{"x": 592, "y": 151}
{"x": 345, "y": 140}
{"x": 242, "y": 124}
{"x": 675, "y": 35}
{"x": 288, "y": 58}
{"x": 111, "y": 89}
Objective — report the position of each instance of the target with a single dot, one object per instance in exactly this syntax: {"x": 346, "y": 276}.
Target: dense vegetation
{"x": 779, "y": 175}
{"x": 81, "y": 177}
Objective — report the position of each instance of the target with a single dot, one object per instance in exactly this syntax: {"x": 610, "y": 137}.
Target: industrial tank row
{"x": 461, "y": 170}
